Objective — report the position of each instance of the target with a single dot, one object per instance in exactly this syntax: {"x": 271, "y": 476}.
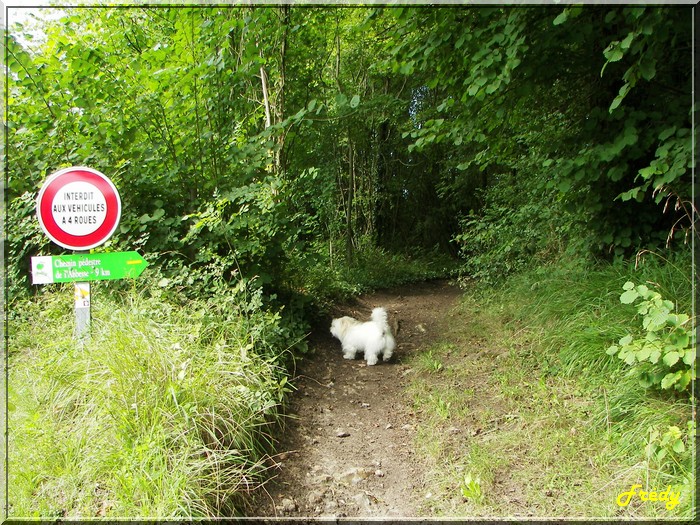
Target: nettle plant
{"x": 665, "y": 355}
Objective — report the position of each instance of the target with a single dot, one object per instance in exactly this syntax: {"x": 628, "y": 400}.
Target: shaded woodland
{"x": 283, "y": 141}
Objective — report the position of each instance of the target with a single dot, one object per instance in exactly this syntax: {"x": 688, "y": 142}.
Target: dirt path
{"x": 347, "y": 450}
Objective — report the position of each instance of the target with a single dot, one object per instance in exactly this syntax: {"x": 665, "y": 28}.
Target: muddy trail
{"x": 347, "y": 448}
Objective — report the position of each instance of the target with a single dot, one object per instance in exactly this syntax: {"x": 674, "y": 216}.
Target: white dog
{"x": 373, "y": 337}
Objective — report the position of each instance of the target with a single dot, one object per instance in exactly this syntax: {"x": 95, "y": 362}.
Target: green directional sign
{"x": 87, "y": 267}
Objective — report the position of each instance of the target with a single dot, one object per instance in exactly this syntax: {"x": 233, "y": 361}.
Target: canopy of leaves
{"x": 240, "y": 135}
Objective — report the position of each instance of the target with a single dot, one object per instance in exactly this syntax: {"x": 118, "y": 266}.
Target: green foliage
{"x": 151, "y": 112}
{"x": 672, "y": 449}
{"x": 503, "y": 105}
{"x": 237, "y": 136}
{"x": 325, "y": 278}
{"x": 665, "y": 356}
{"x": 510, "y": 234}
{"x": 470, "y": 488}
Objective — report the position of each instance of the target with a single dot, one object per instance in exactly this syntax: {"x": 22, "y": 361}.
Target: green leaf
{"x": 564, "y": 186}
{"x": 355, "y": 101}
{"x": 625, "y": 341}
{"x": 655, "y": 321}
{"x": 634, "y": 193}
{"x": 679, "y": 319}
{"x": 629, "y": 297}
{"x": 625, "y": 44}
{"x": 678, "y": 446}
{"x": 406, "y": 68}
{"x": 493, "y": 87}
{"x": 671, "y": 358}
{"x": 619, "y": 98}
{"x": 670, "y": 379}
{"x": 646, "y": 380}
{"x": 643, "y": 354}
{"x": 665, "y": 134}
{"x": 341, "y": 99}
{"x": 647, "y": 67}
{"x": 689, "y": 357}
{"x": 612, "y": 350}
{"x": 684, "y": 380}
{"x": 613, "y": 52}
{"x": 563, "y": 16}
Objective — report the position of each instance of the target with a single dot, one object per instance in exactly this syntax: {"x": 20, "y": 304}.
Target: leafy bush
{"x": 323, "y": 279}
{"x": 665, "y": 356}
{"x": 514, "y": 231}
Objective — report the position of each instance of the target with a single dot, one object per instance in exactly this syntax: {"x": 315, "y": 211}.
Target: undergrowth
{"x": 165, "y": 411}
{"x": 325, "y": 278}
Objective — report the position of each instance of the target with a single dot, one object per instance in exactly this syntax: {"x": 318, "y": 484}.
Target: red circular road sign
{"x": 78, "y": 208}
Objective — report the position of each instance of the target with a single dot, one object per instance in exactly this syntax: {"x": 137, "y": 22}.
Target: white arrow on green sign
{"x": 87, "y": 267}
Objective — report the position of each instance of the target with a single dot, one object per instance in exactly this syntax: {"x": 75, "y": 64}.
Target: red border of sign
{"x": 75, "y": 174}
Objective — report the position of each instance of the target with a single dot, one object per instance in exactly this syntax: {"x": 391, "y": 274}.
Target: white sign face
{"x": 42, "y": 272}
{"x": 79, "y": 208}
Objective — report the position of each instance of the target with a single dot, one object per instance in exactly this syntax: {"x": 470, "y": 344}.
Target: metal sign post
{"x": 82, "y": 310}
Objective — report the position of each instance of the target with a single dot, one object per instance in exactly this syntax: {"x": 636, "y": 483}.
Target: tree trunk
{"x": 349, "y": 238}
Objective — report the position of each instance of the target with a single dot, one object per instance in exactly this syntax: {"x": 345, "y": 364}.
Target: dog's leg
{"x": 389, "y": 345}
{"x": 371, "y": 355}
{"x": 349, "y": 352}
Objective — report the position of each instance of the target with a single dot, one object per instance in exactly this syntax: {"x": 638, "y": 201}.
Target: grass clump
{"x": 165, "y": 411}
{"x": 539, "y": 420}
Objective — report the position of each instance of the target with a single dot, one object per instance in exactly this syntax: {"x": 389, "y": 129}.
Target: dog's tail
{"x": 379, "y": 316}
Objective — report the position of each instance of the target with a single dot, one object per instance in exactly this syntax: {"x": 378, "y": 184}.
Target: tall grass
{"x": 577, "y": 309}
{"x": 164, "y": 411}
{"x": 573, "y": 313}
